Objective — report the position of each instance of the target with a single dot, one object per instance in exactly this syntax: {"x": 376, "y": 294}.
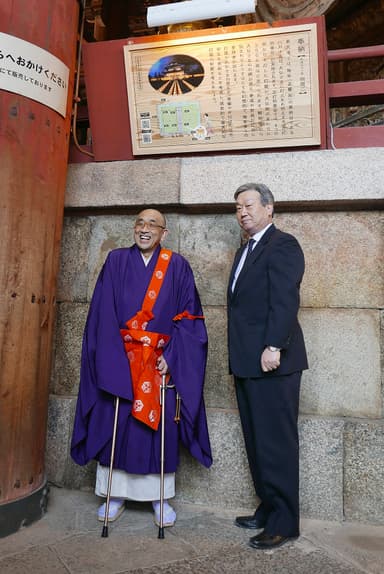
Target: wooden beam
{"x": 364, "y": 136}
{"x": 345, "y": 94}
{"x": 356, "y": 53}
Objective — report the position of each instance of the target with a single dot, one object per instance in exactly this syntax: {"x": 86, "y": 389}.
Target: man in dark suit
{"x": 266, "y": 356}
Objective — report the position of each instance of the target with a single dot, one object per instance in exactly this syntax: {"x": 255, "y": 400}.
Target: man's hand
{"x": 162, "y": 365}
{"x": 270, "y": 360}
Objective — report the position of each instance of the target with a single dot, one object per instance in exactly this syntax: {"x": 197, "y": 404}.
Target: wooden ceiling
{"x": 350, "y": 23}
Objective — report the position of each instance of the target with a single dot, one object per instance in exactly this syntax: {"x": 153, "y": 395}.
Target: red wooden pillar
{"x": 34, "y": 143}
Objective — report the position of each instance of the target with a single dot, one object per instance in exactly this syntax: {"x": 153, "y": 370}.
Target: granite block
{"x": 60, "y": 468}
{"x": 219, "y": 390}
{"x": 364, "y": 471}
{"x": 73, "y": 271}
{"x": 80, "y": 477}
{"x": 321, "y": 468}
{"x": 344, "y": 255}
{"x": 294, "y": 176}
{"x": 228, "y": 482}
{"x": 344, "y": 362}
{"x": 59, "y": 432}
{"x": 209, "y": 242}
{"x": 70, "y": 322}
{"x": 141, "y": 182}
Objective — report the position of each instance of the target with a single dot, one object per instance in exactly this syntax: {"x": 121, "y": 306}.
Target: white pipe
{"x": 180, "y": 12}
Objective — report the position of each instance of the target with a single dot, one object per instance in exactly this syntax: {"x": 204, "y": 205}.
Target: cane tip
{"x": 161, "y": 532}
{"x": 104, "y": 533}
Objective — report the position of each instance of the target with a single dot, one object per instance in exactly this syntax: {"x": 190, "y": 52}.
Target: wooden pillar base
{"x": 23, "y": 512}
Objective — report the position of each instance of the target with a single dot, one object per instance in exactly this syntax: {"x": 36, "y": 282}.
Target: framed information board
{"x": 244, "y": 89}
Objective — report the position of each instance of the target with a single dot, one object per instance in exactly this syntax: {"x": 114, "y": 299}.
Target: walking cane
{"x": 163, "y": 387}
{"x": 104, "y": 533}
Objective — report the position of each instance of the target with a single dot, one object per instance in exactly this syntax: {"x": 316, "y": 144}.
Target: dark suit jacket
{"x": 263, "y": 308}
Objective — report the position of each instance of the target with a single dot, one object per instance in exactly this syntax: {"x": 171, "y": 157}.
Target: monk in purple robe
{"x": 143, "y": 292}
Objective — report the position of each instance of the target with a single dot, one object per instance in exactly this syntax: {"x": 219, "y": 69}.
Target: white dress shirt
{"x": 257, "y": 238}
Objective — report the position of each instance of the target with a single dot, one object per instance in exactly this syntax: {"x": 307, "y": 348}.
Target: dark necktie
{"x": 251, "y": 244}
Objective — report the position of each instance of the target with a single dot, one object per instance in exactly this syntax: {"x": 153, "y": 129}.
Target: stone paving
{"x": 204, "y": 540}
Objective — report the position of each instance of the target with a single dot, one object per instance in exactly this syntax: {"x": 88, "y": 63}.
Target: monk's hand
{"x": 270, "y": 360}
{"x": 162, "y": 365}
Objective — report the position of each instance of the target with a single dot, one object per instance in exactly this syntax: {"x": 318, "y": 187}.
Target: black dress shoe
{"x": 249, "y": 522}
{"x": 265, "y": 541}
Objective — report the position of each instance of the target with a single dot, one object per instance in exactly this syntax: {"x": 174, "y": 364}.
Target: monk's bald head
{"x": 153, "y": 215}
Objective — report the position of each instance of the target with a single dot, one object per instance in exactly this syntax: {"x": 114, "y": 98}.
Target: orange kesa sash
{"x": 144, "y": 347}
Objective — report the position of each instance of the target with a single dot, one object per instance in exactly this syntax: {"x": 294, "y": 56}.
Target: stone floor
{"x": 203, "y": 541}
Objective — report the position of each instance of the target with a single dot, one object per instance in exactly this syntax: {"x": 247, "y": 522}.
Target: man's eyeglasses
{"x": 151, "y": 225}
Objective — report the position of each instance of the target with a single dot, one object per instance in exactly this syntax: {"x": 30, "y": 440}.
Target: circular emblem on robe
{"x": 161, "y": 343}
{"x": 127, "y": 338}
{"x": 152, "y": 294}
{"x": 146, "y": 387}
{"x": 176, "y": 75}
{"x": 152, "y": 416}
{"x": 144, "y": 325}
{"x": 145, "y": 340}
{"x": 138, "y": 405}
{"x": 135, "y": 324}
{"x": 165, "y": 256}
{"x": 159, "y": 274}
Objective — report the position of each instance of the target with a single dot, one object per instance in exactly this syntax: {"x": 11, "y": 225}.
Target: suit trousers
{"x": 268, "y": 409}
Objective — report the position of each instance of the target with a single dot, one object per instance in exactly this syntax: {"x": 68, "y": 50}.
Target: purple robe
{"x": 105, "y": 372}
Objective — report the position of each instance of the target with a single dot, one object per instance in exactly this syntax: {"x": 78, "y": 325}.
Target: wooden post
{"x": 34, "y": 142}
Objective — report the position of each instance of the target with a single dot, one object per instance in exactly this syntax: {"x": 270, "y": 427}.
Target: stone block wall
{"x": 341, "y": 413}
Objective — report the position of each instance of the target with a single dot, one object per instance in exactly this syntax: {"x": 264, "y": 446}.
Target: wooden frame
{"x": 246, "y": 88}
